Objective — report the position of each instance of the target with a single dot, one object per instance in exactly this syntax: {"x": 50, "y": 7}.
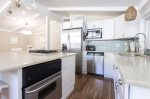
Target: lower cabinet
{"x": 108, "y": 65}
{"x": 139, "y": 92}
{"x": 126, "y": 91}
{"x": 68, "y": 76}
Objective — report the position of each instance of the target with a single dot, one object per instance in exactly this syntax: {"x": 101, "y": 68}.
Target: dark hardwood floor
{"x": 92, "y": 87}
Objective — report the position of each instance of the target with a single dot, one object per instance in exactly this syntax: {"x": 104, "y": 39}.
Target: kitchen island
{"x": 11, "y": 64}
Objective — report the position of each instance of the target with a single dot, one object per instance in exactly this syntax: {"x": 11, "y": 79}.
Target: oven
{"x": 42, "y": 81}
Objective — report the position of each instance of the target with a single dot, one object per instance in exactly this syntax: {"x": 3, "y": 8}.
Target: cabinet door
{"x": 76, "y": 24}
{"x": 108, "y": 65}
{"x": 68, "y": 75}
{"x": 95, "y": 24}
{"x": 66, "y": 25}
{"x": 119, "y": 26}
{"x": 108, "y": 29}
{"x": 132, "y": 28}
{"x": 139, "y": 92}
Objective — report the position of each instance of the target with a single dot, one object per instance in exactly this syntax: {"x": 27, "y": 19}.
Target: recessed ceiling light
{"x": 23, "y": 12}
{"x": 26, "y": 32}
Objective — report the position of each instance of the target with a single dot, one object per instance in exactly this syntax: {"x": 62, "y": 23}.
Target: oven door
{"x": 49, "y": 88}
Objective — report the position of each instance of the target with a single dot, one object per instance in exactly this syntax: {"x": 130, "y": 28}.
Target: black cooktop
{"x": 43, "y": 51}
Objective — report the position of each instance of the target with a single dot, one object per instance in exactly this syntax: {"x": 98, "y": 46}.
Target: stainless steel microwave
{"x": 94, "y": 33}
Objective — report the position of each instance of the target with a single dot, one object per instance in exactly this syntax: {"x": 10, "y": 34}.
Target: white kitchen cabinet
{"x": 108, "y": 65}
{"x": 139, "y": 92}
{"x": 131, "y": 28}
{"x": 66, "y": 25}
{"x": 72, "y": 24}
{"x": 128, "y": 91}
{"x": 126, "y": 29}
{"x": 119, "y": 26}
{"x": 95, "y": 24}
{"x": 76, "y": 24}
{"x": 108, "y": 29}
{"x": 68, "y": 75}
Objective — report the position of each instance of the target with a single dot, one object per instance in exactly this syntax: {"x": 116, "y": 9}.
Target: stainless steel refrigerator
{"x": 72, "y": 40}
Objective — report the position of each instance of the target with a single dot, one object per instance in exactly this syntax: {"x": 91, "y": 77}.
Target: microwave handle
{"x": 43, "y": 86}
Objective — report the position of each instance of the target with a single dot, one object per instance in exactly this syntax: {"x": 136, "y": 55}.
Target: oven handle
{"x": 41, "y": 87}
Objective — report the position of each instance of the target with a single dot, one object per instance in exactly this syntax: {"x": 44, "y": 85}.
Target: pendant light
{"x": 18, "y": 4}
{"x": 131, "y": 13}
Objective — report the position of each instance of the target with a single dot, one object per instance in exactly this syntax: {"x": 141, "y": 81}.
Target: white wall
{"x": 5, "y": 41}
{"x": 38, "y": 38}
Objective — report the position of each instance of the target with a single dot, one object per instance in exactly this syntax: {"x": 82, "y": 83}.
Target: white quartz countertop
{"x": 17, "y": 60}
{"x": 135, "y": 69}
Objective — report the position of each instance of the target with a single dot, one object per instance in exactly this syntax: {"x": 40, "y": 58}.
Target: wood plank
{"x": 92, "y": 87}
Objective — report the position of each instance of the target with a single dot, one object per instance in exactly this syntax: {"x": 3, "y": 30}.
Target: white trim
{"x": 109, "y": 76}
{"x": 142, "y": 4}
{"x": 109, "y": 9}
{"x": 48, "y": 32}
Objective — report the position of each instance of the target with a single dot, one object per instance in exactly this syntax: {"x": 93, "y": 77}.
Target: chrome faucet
{"x": 137, "y": 51}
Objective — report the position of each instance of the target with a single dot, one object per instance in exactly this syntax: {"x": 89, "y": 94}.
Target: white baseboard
{"x": 67, "y": 92}
{"x": 109, "y": 76}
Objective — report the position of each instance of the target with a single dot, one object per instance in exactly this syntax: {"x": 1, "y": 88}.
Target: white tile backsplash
{"x": 110, "y": 45}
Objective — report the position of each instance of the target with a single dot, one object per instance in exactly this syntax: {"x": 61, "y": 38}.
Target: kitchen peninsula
{"x": 131, "y": 75}
{"x": 12, "y": 64}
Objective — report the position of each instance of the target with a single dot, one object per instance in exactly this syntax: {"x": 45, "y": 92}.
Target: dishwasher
{"x": 95, "y": 63}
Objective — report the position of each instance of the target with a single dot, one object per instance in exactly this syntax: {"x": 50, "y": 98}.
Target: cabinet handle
{"x": 115, "y": 67}
{"x": 116, "y": 85}
{"x": 120, "y": 81}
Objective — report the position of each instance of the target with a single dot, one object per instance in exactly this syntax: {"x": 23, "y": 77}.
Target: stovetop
{"x": 43, "y": 51}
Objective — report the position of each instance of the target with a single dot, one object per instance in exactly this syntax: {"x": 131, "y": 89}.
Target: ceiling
{"x": 20, "y": 19}
{"x": 89, "y": 3}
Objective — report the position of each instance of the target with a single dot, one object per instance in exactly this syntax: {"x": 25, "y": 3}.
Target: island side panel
{"x": 68, "y": 76}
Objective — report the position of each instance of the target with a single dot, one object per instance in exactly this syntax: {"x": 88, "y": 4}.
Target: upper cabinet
{"x": 74, "y": 21}
{"x": 112, "y": 28}
{"x": 126, "y": 29}
{"x": 131, "y": 28}
{"x": 95, "y": 24}
{"x": 106, "y": 25}
{"x": 66, "y": 25}
{"x": 73, "y": 24}
{"x": 108, "y": 29}
{"x": 119, "y": 26}
{"x": 76, "y": 24}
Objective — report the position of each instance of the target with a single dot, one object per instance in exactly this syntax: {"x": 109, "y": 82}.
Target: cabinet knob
{"x": 120, "y": 81}
{"x": 115, "y": 67}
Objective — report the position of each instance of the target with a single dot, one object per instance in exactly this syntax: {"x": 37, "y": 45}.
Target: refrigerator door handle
{"x": 69, "y": 43}
{"x": 69, "y": 46}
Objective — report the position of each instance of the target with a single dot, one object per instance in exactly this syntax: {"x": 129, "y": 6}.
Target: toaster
{"x": 90, "y": 48}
